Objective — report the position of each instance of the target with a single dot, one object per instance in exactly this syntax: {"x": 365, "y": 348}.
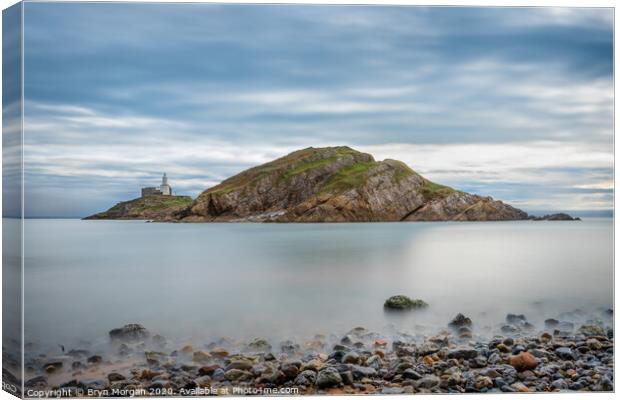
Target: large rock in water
{"x": 129, "y": 333}
{"x": 339, "y": 184}
{"x": 400, "y": 302}
{"x": 555, "y": 217}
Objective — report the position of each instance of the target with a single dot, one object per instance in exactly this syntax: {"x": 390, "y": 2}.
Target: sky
{"x": 516, "y": 103}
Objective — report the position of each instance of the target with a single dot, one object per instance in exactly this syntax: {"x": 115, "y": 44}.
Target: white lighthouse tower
{"x": 165, "y": 189}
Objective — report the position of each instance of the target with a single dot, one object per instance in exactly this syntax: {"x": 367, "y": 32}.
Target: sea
{"x": 196, "y": 283}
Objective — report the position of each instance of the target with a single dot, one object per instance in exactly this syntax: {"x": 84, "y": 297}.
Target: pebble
{"x": 201, "y": 357}
{"x": 328, "y": 377}
{"x": 237, "y": 375}
{"x": 313, "y": 365}
{"x": 503, "y": 348}
{"x": 351, "y": 358}
{"x": 428, "y": 381}
{"x": 362, "y": 372}
{"x": 392, "y": 390}
{"x": 242, "y": 364}
{"x": 524, "y": 361}
{"x": 564, "y": 353}
{"x": 520, "y": 387}
{"x": 559, "y": 384}
{"x": 448, "y": 362}
{"x": 410, "y": 373}
{"x": 208, "y": 369}
{"x": 545, "y": 337}
{"x": 306, "y": 378}
{"x": 463, "y": 353}
{"x": 114, "y": 376}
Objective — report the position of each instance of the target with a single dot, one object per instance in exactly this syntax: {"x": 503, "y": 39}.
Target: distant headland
{"x": 330, "y": 184}
{"x": 155, "y": 203}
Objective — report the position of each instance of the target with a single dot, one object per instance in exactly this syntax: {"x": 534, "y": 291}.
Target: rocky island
{"x": 330, "y": 184}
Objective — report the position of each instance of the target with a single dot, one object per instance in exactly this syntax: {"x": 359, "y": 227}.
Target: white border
{"x": 478, "y": 3}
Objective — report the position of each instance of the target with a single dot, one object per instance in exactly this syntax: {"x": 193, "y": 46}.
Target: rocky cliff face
{"x": 460, "y": 206}
{"x": 338, "y": 184}
{"x": 160, "y": 208}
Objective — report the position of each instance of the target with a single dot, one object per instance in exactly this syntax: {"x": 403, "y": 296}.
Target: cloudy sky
{"x": 516, "y": 103}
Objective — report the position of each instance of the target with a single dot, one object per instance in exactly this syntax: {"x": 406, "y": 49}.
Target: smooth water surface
{"x": 189, "y": 281}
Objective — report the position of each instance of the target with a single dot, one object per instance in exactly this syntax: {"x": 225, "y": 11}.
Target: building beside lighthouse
{"x": 162, "y": 190}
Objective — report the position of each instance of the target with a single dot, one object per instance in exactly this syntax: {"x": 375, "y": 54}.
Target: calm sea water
{"x": 203, "y": 281}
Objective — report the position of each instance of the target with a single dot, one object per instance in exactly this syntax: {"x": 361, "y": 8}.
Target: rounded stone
{"x": 351, "y": 358}
{"x": 328, "y": 377}
{"x": 523, "y": 361}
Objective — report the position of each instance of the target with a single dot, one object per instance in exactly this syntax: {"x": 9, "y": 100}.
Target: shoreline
{"x": 560, "y": 357}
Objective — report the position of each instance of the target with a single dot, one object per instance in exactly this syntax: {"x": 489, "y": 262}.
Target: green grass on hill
{"x": 402, "y": 170}
{"x": 161, "y": 202}
{"x": 171, "y": 201}
{"x": 431, "y": 190}
{"x": 289, "y": 166}
{"x": 348, "y": 177}
{"x": 309, "y": 164}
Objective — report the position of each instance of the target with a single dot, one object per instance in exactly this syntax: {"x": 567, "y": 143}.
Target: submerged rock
{"x": 94, "y": 359}
{"x": 152, "y": 357}
{"x": 460, "y": 321}
{"x": 516, "y": 319}
{"x": 259, "y": 345}
{"x": 160, "y": 341}
{"x": 130, "y": 333}
{"x": 591, "y": 330}
{"x": 551, "y": 323}
{"x": 401, "y": 302}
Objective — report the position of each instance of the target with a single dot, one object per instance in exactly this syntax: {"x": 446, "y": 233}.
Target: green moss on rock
{"x": 401, "y": 302}
{"x": 591, "y": 330}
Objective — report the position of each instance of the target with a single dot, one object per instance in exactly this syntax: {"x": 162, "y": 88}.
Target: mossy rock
{"x": 591, "y": 330}
{"x": 401, "y": 302}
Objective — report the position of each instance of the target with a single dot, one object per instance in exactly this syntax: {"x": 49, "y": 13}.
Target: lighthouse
{"x": 164, "y": 188}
